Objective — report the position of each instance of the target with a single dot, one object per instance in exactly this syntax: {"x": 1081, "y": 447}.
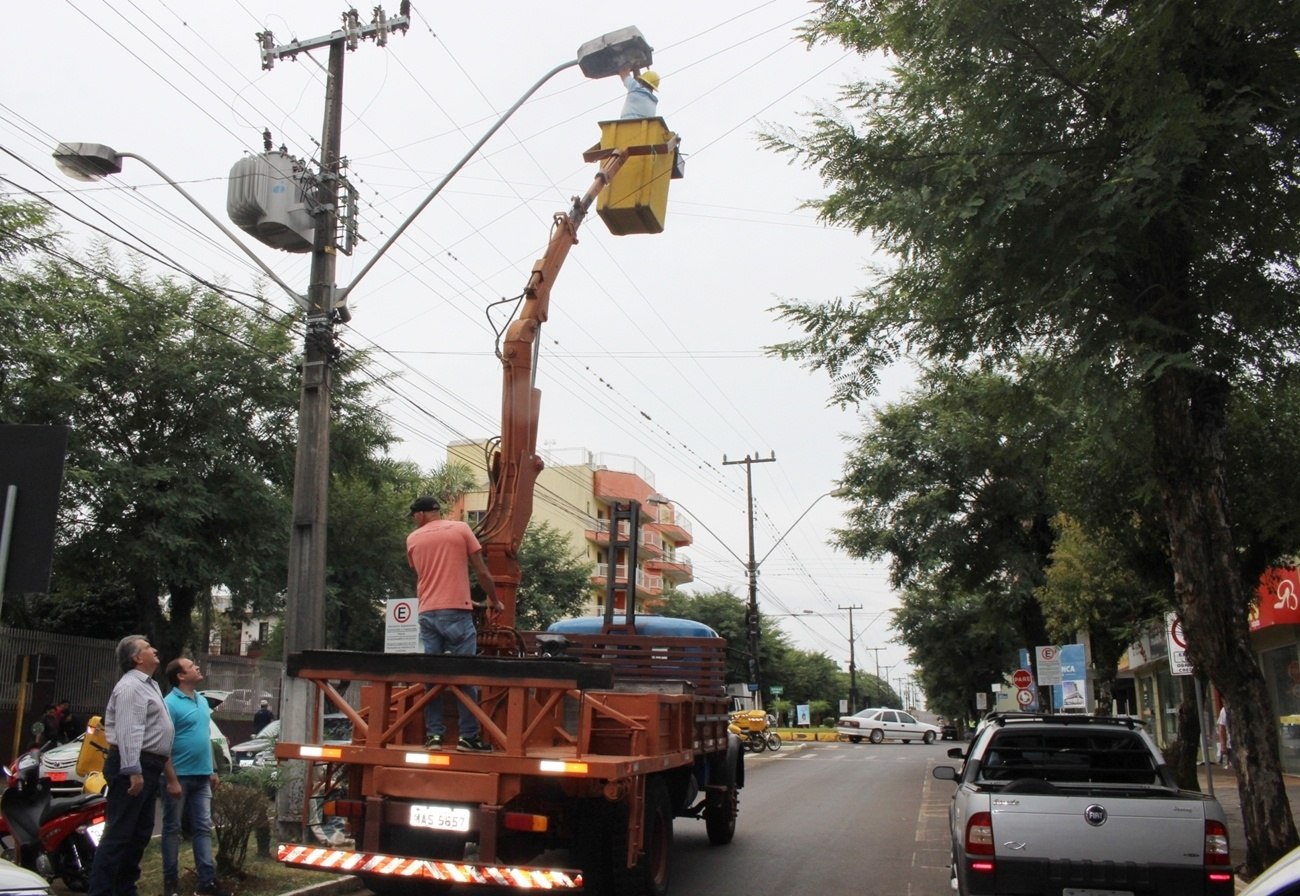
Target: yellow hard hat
{"x": 651, "y": 78}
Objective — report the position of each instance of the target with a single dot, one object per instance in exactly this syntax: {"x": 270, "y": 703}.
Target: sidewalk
{"x": 1225, "y": 790}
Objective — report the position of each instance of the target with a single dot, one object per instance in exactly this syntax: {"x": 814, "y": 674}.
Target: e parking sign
{"x": 402, "y": 626}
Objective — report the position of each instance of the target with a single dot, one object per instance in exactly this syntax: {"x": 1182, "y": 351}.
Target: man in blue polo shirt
{"x": 192, "y": 760}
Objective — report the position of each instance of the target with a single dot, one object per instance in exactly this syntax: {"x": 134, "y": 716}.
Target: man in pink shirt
{"x": 441, "y": 552}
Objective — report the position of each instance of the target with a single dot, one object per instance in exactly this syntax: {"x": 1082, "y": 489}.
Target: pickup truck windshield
{"x": 1063, "y": 757}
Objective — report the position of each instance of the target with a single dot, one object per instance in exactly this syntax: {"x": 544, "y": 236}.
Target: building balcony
{"x": 676, "y": 570}
{"x": 649, "y": 583}
{"x": 598, "y": 533}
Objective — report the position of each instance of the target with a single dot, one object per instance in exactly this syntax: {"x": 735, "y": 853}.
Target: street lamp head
{"x": 656, "y": 498}
{"x": 841, "y": 492}
{"x": 611, "y": 53}
{"x": 87, "y": 161}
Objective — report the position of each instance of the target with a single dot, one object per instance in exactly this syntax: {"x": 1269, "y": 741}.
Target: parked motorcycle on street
{"x": 56, "y": 838}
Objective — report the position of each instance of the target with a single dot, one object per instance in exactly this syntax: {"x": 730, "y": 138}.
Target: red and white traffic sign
{"x": 1022, "y": 679}
{"x": 1024, "y": 697}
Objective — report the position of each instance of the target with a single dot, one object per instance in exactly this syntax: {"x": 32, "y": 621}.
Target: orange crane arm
{"x": 514, "y": 466}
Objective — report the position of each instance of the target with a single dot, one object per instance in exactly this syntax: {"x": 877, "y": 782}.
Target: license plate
{"x": 1073, "y": 891}
{"x": 440, "y": 818}
{"x": 95, "y": 832}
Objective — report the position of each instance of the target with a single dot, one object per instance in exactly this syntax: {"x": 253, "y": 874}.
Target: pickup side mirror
{"x": 956, "y": 753}
{"x": 945, "y": 773}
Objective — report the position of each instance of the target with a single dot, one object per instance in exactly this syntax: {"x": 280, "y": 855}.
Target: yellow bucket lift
{"x": 636, "y": 200}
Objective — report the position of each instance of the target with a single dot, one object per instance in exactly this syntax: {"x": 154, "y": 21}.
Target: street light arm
{"x": 294, "y": 294}
{"x": 473, "y": 150}
{"x": 660, "y": 500}
{"x": 836, "y": 492}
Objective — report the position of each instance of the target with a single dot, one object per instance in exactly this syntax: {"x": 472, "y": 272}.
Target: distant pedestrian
{"x": 49, "y": 727}
{"x": 441, "y": 552}
{"x": 140, "y": 733}
{"x": 263, "y": 716}
{"x": 1225, "y": 738}
{"x": 642, "y": 93}
{"x": 69, "y": 724}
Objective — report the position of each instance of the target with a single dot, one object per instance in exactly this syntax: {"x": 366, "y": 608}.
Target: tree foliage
{"x": 183, "y": 405}
{"x": 555, "y": 580}
{"x": 1110, "y": 188}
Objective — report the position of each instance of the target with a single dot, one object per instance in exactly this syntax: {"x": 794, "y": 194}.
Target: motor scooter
{"x": 56, "y": 838}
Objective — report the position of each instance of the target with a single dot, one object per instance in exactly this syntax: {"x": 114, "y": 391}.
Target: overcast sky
{"x": 654, "y": 349}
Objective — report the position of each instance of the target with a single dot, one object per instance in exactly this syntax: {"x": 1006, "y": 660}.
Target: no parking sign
{"x": 402, "y": 626}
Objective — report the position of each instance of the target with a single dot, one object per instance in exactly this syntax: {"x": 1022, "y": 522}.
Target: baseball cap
{"x": 425, "y": 504}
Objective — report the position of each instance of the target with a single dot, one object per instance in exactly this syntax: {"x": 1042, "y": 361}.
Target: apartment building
{"x": 576, "y": 493}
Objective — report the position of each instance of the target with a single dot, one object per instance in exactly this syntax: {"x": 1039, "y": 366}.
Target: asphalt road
{"x": 828, "y": 818}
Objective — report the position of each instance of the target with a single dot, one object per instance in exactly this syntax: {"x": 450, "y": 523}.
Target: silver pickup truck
{"x": 1072, "y": 805}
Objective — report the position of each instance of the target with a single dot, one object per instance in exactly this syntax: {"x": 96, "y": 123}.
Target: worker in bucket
{"x": 642, "y": 96}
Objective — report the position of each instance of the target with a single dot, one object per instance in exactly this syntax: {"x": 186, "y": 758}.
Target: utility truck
{"x": 602, "y": 734}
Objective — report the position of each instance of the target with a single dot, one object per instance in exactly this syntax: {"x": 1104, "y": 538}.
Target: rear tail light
{"x": 1216, "y": 844}
{"x": 979, "y": 834}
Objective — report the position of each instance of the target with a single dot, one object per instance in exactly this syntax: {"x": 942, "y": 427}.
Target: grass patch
{"x": 263, "y": 875}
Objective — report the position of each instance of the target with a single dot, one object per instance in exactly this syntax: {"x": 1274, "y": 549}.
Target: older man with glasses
{"x": 140, "y": 732}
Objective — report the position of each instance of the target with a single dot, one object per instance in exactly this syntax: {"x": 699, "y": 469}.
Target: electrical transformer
{"x": 267, "y": 197}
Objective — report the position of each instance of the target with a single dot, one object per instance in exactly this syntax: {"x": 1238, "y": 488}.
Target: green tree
{"x": 555, "y": 579}
{"x": 183, "y": 406}
{"x": 179, "y": 403}
{"x": 951, "y": 485}
{"x": 1087, "y": 182}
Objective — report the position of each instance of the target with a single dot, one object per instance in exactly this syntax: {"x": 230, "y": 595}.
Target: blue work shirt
{"x": 641, "y": 101}
{"x": 192, "y": 748}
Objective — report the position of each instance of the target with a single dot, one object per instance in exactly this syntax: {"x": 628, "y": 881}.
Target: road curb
{"x": 336, "y": 887}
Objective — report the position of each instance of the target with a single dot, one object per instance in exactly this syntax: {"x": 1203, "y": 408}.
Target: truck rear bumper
{"x": 347, "y": 861}
{"x": 1041, "y": 877}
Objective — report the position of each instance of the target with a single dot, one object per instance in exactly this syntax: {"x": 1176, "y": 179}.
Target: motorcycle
{"x": 755, "y": 729}
{"x": 56, "y": 838}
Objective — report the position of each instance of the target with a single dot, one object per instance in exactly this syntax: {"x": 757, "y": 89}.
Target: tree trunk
{"x": 1188, "y": 418}
{"x": 1189, "y": 740}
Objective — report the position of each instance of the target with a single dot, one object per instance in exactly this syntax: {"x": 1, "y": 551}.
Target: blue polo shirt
{"x": 192, "y": 748}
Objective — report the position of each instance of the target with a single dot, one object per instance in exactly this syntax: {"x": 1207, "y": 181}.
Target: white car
{"x": 16, "y": 881}
{"x": 260, "y": 750}
{"x": 1281, "y": 878}
{"x": 881, "y": 723}
{"x": 59, "y": 764}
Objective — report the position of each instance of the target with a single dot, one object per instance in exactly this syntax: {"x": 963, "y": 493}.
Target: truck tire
{"x": 650, "y": 875}
{"x": 877, "y": 735}
{"x": 721, "y": 806}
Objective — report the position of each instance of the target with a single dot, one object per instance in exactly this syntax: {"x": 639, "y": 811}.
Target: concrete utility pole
{"x": 305, "y": 602}
{"x": 876, "y": 651}
{"x": 853, "y": 665}
{"x": 751, "y": 613}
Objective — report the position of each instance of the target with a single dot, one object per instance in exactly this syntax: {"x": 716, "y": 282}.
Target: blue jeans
{"x": 449, "y": 631}
{"x": 128, "y": 828}
{"x": 196, "y": 798}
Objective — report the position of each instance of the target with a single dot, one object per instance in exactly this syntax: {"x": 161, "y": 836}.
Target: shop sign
{"x": 1277, "y": 599}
